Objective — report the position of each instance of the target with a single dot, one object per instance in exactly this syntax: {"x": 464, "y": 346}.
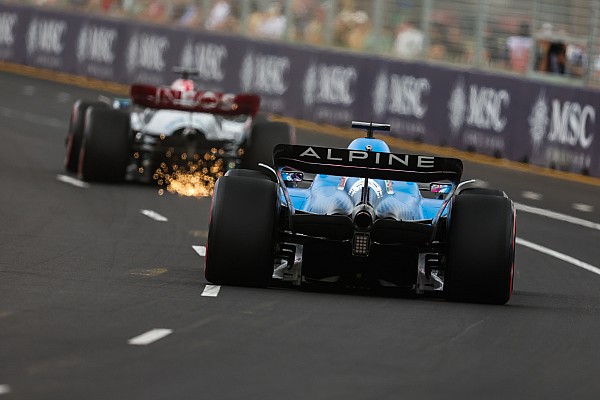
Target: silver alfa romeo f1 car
{"x": 362, "y": 217}
{"x": 165, "y": 127}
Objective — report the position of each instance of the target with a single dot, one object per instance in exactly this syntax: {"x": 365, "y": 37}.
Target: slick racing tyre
{"x": 478, "y": 190}
{"x": 105, "y": 151}
{"x": 481, "y": 249}
{"x": 75, "y": 135}
{"x": 265, "y": 135}
{"x": 241, "y": 235}
{"x": 250, "y": 173}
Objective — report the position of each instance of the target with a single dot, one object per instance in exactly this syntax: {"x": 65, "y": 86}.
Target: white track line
{"x": 72, "y": 181}
{"x": 531, "y": 195}
{"x": 33, "y": 118}
{"x": 29, "y": 90}
{"x": 583, "y": 207}
{"x": 211, "y": 291}
{"x": 560, "y": 256}
{"x": 201, "y": 250}
{"x": 4, "y": 389}
{"x": 154, "y": 215}
{"x": 63, "y": 97}
{"x": 557, "y": 216}
{"x": 149, "y": 337}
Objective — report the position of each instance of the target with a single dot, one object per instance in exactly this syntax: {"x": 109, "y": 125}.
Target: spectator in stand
{"x": 302, "y": 12}
{"x": 456, "y": 46}
{"x": 344, "y": 22}
{"x": 576, "y": 60}
{"x": 519, "y": 48}
{"x": 382, "y": 43}
{"x": 154, "y": 11}
{"x": 495, "y": 47}
{"x": 218, "y": 16}
{"x": 314, "y": 31}
{"x": 187, "y": 13}
{"x": 357, "y": 36}
{"x": 274, "y": 22}
{"x": 255, "y": 21}
{"x": 409, "y": 40}
{"x": 437, "y": 41}
{"x": 552, "y": 57}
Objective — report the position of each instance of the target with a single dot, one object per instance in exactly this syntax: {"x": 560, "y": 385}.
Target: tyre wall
{"x": 545, "y": 124}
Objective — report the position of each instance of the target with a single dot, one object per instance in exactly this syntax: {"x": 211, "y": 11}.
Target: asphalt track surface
{"x": 83, "y": 272}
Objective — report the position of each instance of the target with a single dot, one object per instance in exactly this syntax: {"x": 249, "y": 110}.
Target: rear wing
{"x": 368, "y": 164}
{"x": 201, "y": 101}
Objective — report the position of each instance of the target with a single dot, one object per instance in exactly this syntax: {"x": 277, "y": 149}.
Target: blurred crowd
{"x": 450, "y": 34}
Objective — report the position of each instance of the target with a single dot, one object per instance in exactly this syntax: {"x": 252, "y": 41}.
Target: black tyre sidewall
{"x": 242, "y": 232}
{"x": 106, "y": 150}
{"x": 265, "y": 135}
{"x": 250, "y": 173}
{"x": 480, "y": 261}
{"x": 75, "y": 134}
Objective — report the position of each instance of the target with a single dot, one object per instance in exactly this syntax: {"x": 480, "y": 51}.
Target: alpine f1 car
{"x": 164, "y": 127}
{"x": 362, "y": 217}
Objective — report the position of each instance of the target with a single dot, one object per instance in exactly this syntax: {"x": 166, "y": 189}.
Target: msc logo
{"x": 206, "y": 58}
{"x": 46, "y": 35}
{"x": 569, "y": 123}
{"x": 264, "y": 73}
{"x": 329, "y": 84}
{"x": 147, "y": 51}
{"x": 96, "y": 44}
{"x": 479, "y": 107}
{"x": 7, "y": 26}
{"x": 401, "y": 95}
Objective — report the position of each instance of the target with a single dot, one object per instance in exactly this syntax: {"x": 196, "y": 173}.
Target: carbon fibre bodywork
{"x": 365, "y": 215}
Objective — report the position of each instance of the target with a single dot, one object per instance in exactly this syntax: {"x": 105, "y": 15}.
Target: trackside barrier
{"x": 512, "y": 117}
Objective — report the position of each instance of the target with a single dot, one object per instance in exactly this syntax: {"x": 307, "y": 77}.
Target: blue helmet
{"x": 376, "y": 145}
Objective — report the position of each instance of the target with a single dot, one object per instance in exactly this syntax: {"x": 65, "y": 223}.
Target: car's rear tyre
{"x": 250, "y": 173}
{"x": 242, "y": 232}
{"x": 480, "y": 190}
{"x": 75, "y": 135}
{"x": 481, "y": 249}
{"x": 265, "y": 135}
{"x": 106, "y": 147}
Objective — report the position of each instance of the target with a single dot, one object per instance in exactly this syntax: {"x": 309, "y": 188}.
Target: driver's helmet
{"x": 187, "y": 88}
{"x": 366, "y": 143}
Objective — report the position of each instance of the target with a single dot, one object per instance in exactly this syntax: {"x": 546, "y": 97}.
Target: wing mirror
{"x": 440, "y": 188}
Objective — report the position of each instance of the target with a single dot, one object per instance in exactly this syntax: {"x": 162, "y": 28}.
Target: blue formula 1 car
{"x": 362, "y": 217}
